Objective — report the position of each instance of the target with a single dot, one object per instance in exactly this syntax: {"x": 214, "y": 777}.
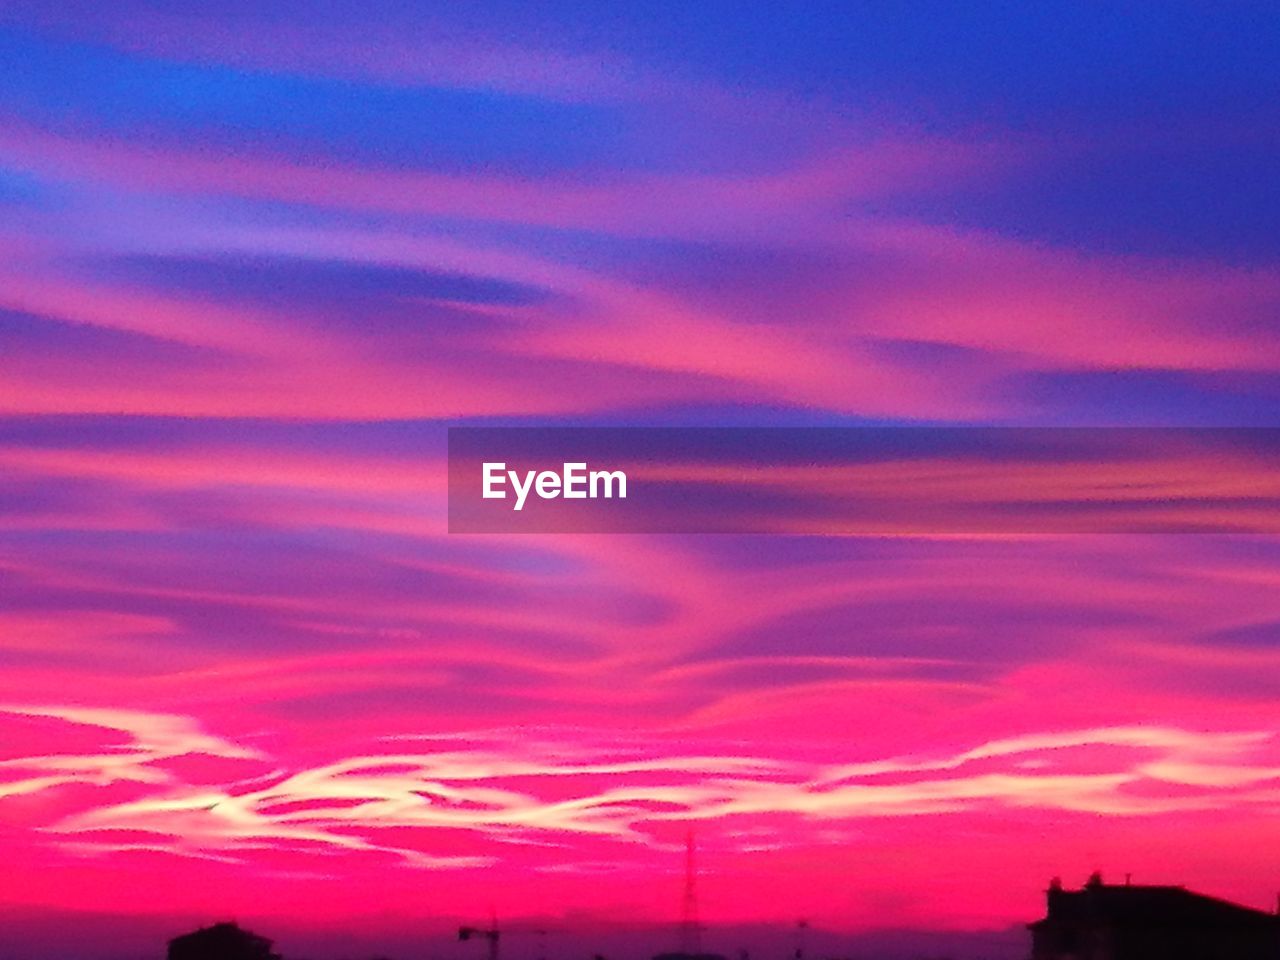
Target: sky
{"x": 255, "y": 259}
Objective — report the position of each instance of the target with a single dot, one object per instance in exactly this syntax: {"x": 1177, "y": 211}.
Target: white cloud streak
{"x": 356, "y": 804}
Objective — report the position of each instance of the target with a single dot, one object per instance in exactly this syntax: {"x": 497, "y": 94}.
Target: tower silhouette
{"x": 690, "y": 928}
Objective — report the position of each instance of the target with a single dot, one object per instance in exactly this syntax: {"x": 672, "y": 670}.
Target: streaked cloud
{"x": 507, "y": 796}
{"x": 253, "y": 263}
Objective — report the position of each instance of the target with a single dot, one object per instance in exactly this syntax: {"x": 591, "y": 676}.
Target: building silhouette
{"x": 1128, "y": 922}
{"x": 222, "y": 941}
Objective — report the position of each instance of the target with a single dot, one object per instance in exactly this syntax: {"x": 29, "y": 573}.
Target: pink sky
{"x": 251, "y": 270}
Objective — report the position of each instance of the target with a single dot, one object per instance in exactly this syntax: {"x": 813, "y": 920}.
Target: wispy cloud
{"x": 254, "y": 262}
{"x": 350, "y": 804}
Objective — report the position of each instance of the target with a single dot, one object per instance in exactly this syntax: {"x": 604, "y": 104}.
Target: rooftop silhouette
{"x": 1130, "y": 922}
{"x": 222, "y": 941}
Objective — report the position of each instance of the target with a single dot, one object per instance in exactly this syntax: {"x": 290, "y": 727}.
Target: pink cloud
{"x": 555, "y": 802}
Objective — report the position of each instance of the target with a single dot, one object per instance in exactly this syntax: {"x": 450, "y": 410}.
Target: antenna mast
{"x": 690, "y": 928}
